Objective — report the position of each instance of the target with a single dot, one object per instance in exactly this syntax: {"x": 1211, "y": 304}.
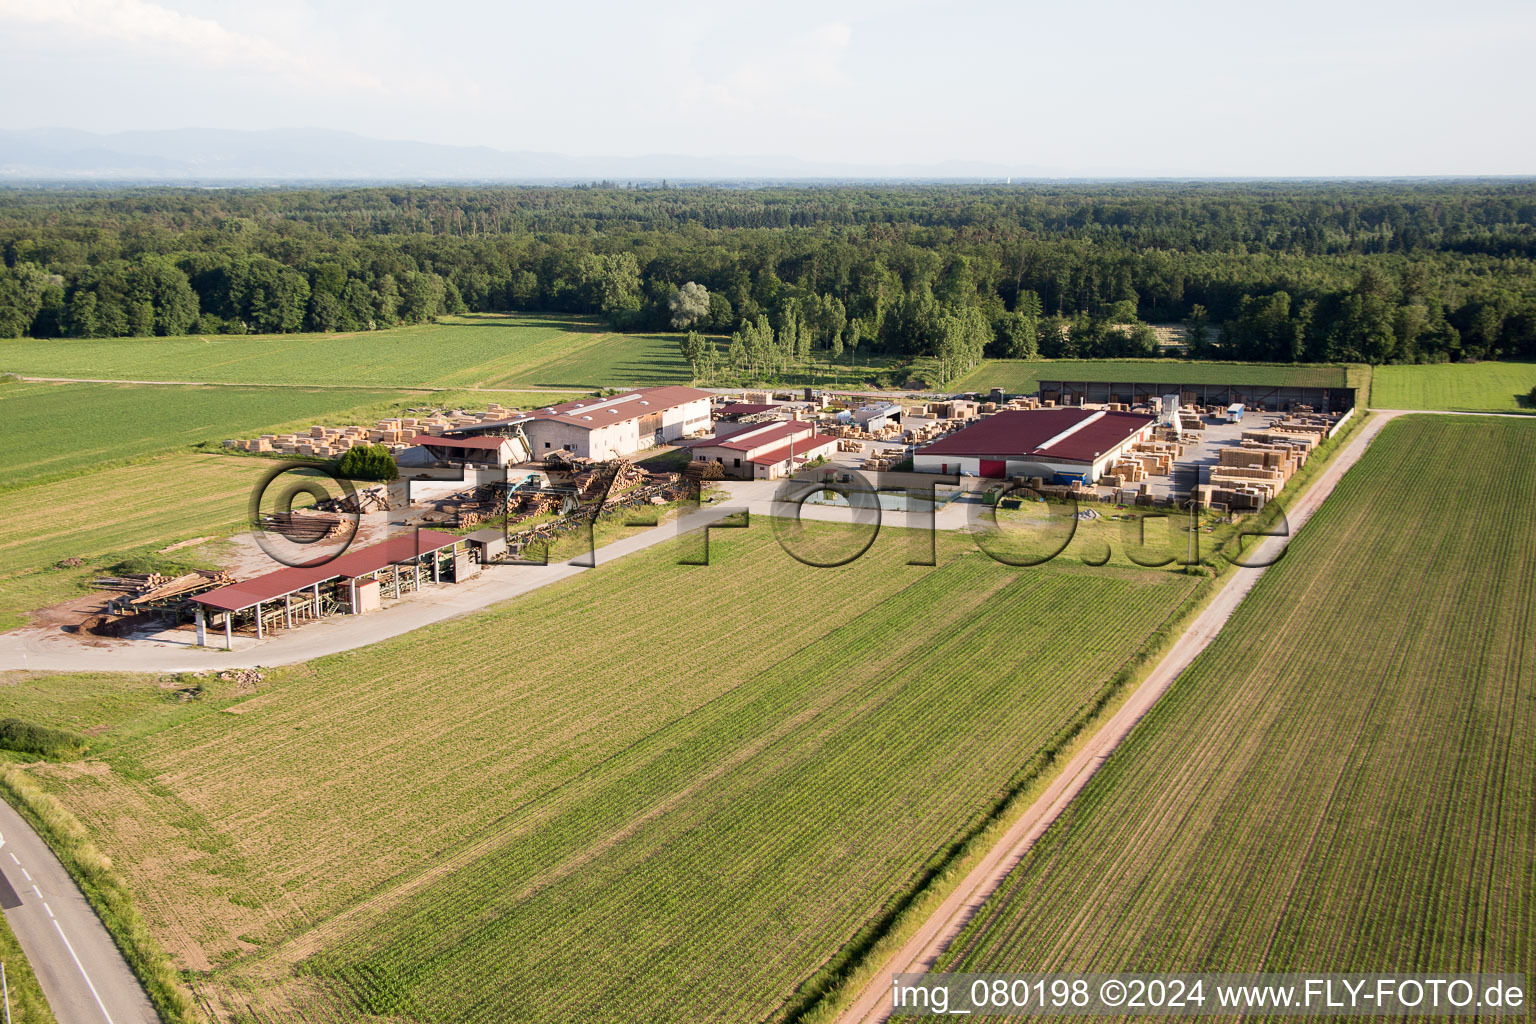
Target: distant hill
{"x": 314, "y": 154}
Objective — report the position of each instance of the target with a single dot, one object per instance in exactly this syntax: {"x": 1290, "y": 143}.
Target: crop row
{"x": 1344, "y": 780}
{"x": 697, "y": 805}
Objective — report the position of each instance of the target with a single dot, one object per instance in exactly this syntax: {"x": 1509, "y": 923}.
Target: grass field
{"x": 53, "y": 431}
{"x": 103, "y": 516}
{"x": 1023, "y": 376}
{"x": 1346, "y": 779}
{"x": 58, "y": 430}
{"x": 474, "y": 351}
{"x": 1459, "y": 387}
{"x": 698, "y": 786}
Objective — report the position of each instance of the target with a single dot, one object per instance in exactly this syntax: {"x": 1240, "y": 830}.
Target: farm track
{"x": 302, "y": 387}
{"x": 931, "y": 940}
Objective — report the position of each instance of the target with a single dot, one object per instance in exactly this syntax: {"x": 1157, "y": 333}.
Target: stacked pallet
{"x": 849, "y": 445}
{"x": 1276, "y": 436}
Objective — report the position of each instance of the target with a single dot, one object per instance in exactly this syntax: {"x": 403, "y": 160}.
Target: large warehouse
{"x": 1054, "y": 443}
{"x": 606, "y": 428}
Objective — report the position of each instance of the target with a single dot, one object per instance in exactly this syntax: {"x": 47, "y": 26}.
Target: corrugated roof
{"x": 1022, "y": 433}
{"x": 459, "y": 442}
{"x": 599, "y": 412}
{"x": 798, "y": 449}
{"x": 349, "y": 565}
{"x": 756, "y": 437}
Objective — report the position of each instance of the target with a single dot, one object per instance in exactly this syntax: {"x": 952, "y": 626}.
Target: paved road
{"x": 922, "y": 951}
{"x": 81, "y": 971}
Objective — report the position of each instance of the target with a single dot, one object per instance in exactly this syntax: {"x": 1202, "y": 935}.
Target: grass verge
{"x": 105, "y": 889}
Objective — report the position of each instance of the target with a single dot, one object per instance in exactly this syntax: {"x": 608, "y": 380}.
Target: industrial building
{"x": 875, "y": 418}
{"x": 767, "y": 451}
{"x": 738, "y": 416}
{"x": 351, "y": 583}
{"x": 1058, "y": 444}
{"x": 487, "y": 452}
{"x": 595, "y": 428}
{"x": 609, "y": 428}
{"x": 1254, "y": 396}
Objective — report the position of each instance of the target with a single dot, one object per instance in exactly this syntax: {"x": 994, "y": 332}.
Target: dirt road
{"x": 924, "y": 948}
{"x": 305, "y": 387}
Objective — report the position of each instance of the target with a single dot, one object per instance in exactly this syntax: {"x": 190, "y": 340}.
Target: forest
{"x": 1374, "y": 272}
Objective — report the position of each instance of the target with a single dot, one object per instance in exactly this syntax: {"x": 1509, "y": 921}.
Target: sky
{"x": 1081, "y": 87}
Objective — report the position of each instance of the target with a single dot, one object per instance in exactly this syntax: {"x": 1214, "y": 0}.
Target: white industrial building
{"x": 1058, "y": 444}
{"x": 767, "y": 451}
{"x": 607, "y": 428}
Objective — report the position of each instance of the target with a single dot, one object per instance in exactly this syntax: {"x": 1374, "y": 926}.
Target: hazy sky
{"x": 1233, "y": 88}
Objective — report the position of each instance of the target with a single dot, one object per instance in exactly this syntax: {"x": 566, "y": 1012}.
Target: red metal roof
{"x": 1098, "y": 437}
{"x": 350, "y": 565}
{"x": 459, "y": 442}
{"x": 1023, "y": 432}
{"x": 801, "y": 447}
{"x": 757, "y": 436}
{"x": 598, "y": 412}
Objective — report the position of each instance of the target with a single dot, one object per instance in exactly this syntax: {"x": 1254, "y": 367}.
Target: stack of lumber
{"x": 1127, "y": 471}
{"x": 185, "y": 585}
{"x": 1173, "y": 449}
{"x": 152, "y": 586}
{"x": 704, "y": 471}
{"x": 849, "y": 445}
{"x": 1276, "y": 436}
{"x": 304, "y": 526}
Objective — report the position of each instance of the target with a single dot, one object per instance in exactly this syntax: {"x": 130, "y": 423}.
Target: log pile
{"x": 369, "y": 499}
{"x": 704, "y": 471}
{"x": 304, "y": 526}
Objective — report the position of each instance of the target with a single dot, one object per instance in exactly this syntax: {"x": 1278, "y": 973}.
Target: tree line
{"x": 1367, "y": 272}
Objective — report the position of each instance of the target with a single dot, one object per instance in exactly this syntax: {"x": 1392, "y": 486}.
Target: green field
{"x": 624, "y": 827}
{"x": 473, "y": 351}
{"x": 58, "y": 430}
{"x": 104, "y": 516}
{"x": 519, "y": 351}
{"x": 1346, "y": 779}
{"x": 1023, "y": 376}
{"x": 1457, "y": 387}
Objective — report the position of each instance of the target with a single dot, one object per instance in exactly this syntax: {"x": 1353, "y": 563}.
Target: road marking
{"x": 87, "y": 977}
{"x": 24, "y": 871}
{"x": 13, "y": 857}
{"x": 39, "y": 895}
{"x": 49, "y": 909}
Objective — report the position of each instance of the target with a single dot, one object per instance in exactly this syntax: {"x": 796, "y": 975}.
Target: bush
{"x": 26, "y": 738}
{"x": 368, "y": 462}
